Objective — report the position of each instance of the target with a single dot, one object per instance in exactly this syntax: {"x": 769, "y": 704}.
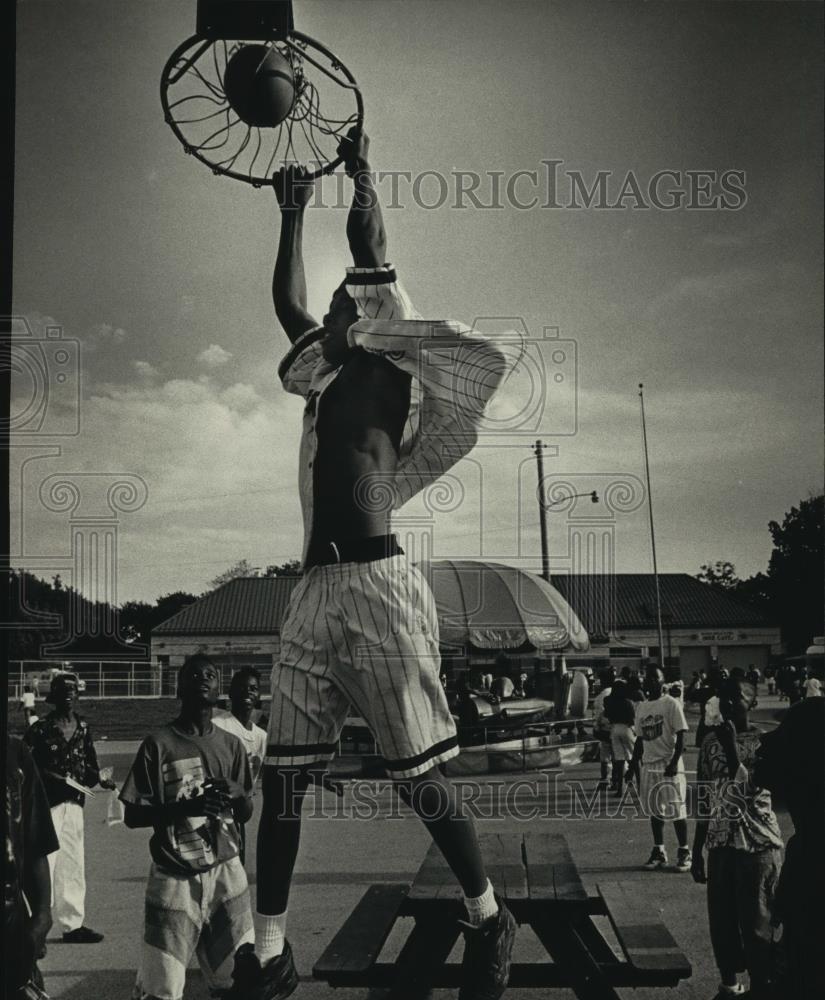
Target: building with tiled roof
{"x": 239, "y": 623}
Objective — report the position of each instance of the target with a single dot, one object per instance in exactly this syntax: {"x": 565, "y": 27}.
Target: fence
{"x": 109, "y": 678}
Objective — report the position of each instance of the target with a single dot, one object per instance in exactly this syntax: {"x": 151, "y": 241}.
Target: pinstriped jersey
{"x": 454, "y": 375}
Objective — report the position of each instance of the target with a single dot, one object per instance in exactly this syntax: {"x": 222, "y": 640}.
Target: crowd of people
{"x": 192, "y": 783}
{"x": 764, "y": 915}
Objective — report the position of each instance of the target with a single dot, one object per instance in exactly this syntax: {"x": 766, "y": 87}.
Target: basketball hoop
{"x": 197, "y": 110}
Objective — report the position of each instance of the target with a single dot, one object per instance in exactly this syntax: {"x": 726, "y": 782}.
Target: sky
{"x": 157, "y": 274}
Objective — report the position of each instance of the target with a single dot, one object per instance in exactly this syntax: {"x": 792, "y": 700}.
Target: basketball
{"x": 259, "y": 85}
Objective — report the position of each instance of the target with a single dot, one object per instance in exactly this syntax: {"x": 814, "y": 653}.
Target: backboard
{"x": 255, "y": 20}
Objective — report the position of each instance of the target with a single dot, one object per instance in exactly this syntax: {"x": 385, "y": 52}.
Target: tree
{"x": 137, "y": 618}
{"x": 792, "y": 592}
{"x": 796, "y": 572}
{"x": 241, "y": 568}
{"x": 292, "y": 567}
{"x": 721, "y": 575}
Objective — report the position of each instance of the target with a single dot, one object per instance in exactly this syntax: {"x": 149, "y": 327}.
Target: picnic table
{"x": 536, "y": 875}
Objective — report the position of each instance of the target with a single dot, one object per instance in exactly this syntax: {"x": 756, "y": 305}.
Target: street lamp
{"x": 544, "y": 507}
{"x": 594, "y": 496}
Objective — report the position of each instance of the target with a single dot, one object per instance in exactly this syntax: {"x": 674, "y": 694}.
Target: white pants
{"x": 67, "y": 867}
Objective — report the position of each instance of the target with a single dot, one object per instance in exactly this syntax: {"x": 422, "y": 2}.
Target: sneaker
{"x": 82, "y": 935}
{"x": 657, "y": 859}
{"x": 485, "y": 967}
{"x": 274, "y": 980}
{"x": 730, "y": 991}
{"x": 684, "y": 859}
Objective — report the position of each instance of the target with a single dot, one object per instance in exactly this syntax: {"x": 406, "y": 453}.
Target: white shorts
{"x": 206, "y": 914}
{"x": 662, "y": 798}
{"x": 378, "y": 295}
{"x": 361, "y": 635}
{"x": 622, "y": 741}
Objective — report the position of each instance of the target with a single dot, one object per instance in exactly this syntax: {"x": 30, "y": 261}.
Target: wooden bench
{"x": 536, "y": 875}
{"x": 646, "y": 942}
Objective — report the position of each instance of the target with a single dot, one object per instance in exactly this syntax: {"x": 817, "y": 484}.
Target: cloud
{"x": 220, "y": 468}
{"x": 214, "y": 356}
{"x": 241, "y": 397}
{"x": 145, "y": 371}
{"x": 104, "y": 335}
{"x": 708, "y": 289}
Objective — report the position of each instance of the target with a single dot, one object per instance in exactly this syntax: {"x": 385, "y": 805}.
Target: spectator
{"x": 244, "y": 698}
{"x": 697, "y": 684}
{"x": 64, "y": 752}
{"x": 653, "y": 672}
{"x": 601, "y": 729}
{"x": 744, "y": 847}
{"x": 701, "y": 694}
{"x": 813, "y": 688}
{"x": 27, "y": 704}
{"x": 789, "y": 683}
{"x": 753, "y": 676}
{"x": 634, "y": 689}
{"x": 659, "y": 769}
{"x": 770, "y": 677}
{"x": 620, "y": 712}
{"x": 191, "y": 783}
{"x": 790, "y": 762}
{"x": 30, "y": 840}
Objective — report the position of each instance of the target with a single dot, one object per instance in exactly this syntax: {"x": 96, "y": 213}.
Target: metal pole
{"x": 545, "y": 556}
{"x": 652, "y": 533}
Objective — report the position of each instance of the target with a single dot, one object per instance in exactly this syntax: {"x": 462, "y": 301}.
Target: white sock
{"x": 481, "y": 907}
{"x": 270, "y": 934}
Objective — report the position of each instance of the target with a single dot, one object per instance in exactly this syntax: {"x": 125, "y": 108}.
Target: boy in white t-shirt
{"x": 659, "y": 768}
{"x": 244, "y": 698}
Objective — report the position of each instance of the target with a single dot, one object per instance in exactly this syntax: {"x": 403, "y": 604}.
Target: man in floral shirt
{"x": 744, "y": 847}
{"x": 64, "y": 752}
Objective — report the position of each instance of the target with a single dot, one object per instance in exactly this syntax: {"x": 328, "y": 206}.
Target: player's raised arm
{"x": 289, "y": 289}
{"x": 365, "y": 224}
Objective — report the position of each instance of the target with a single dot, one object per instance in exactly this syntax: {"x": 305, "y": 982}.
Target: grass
{"x": 111, "y": 718}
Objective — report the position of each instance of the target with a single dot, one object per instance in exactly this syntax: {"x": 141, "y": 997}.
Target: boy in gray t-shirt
{"x": 191, "y": 783}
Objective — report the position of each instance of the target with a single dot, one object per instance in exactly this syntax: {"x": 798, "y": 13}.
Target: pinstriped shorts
{"x": 361, "y": 637}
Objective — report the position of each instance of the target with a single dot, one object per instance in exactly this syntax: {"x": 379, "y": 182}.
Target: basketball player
{"x": 392, "y": 401}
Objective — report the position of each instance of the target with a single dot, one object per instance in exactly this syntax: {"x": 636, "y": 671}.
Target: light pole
{"x": 545, "y": 555}
{"x": 652, "y": 532}
{"x": 538, "y": 448}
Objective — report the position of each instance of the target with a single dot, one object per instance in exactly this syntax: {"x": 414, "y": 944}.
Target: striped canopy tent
{"x": 493, "y": 606}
